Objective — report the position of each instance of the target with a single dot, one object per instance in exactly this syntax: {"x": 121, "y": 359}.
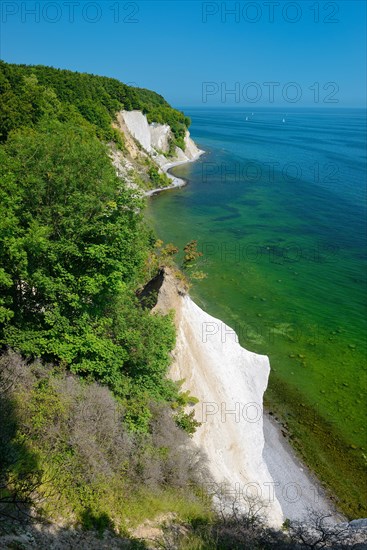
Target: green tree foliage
{"x": 158, "y": 179}
{"x": 96, "y": 98}
{"x": 74, "y": 252}
{"x": 25, "y": 104}
{"x": 73, "y": 246}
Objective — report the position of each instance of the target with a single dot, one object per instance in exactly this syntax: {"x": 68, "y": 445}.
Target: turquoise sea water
{"x": 279, "y": 211}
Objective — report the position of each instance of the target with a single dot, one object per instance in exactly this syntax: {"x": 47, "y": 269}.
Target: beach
{"x": 176, "y": 182}
{"x": 297, "y": 489}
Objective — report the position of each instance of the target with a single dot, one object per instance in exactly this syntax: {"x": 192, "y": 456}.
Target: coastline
{"x": 176, "y": 182}
{"x": 280, "y": 457}
{"x": 241, "y": 453}
{"x": 296, "y": 487}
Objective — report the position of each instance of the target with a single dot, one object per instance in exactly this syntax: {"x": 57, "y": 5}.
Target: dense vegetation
{"x": 75, "y": 252}
{"x": 67, "y": 448}
{"x": 96, "y": 98}
{"x": 92, "y": 431}
{"x": 74, "y": 249}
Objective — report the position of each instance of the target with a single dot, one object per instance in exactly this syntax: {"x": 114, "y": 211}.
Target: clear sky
{"x": 268, "y": 53}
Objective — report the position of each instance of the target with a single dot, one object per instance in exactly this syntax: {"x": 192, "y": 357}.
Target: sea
{"x": 277, "y": 205}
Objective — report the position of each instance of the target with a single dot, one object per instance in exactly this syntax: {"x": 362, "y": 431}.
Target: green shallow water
{"x": 285, "y": 262}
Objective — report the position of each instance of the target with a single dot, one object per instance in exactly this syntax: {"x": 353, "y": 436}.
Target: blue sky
{"x": 269, "y": 53}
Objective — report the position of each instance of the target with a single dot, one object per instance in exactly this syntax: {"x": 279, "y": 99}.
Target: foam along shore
{"x": 155, "y": 140}
{"x": 246, "y": 454}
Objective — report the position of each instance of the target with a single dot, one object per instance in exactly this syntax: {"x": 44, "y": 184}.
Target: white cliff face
{"x": 154, "y": 138}
{"x": 191, "y": 151}
{"x": 159, "y": 136}
{"x": 229, "y": 382}
{"x": 138, "y": 126}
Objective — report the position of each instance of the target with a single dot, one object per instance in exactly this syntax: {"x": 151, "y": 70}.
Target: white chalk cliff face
{"x": 229, "y": 382}
{"x": 154, "y": 138}
{"x": 159, "y": 136}
{"x": 138, "y": 126}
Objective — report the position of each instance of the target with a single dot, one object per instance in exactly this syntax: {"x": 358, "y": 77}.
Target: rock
{"x": 138, "y": 126}
{"x": 225, "y": 378}
{"x": 358, "y": 523}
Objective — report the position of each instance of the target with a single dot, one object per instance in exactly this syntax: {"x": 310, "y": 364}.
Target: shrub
{"x": 92, "y": 465}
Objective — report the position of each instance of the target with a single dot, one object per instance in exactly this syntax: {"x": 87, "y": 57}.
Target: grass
{"x": 147, "y": 505}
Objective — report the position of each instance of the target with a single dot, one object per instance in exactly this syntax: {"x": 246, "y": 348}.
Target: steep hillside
{"x": 96, "y": 98}
{"x": 75, "y": 253}
{"x": 148, "y": 153}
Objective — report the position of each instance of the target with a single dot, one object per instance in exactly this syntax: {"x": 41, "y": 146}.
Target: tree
{"x": 73, "y": 243}
{"x": 318, "y": 530}
{"x": 25, "y": 97}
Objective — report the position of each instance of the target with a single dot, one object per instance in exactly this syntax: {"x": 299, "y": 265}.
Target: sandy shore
{"x": 176, "y": 182}
{"x": 296, "y": 488}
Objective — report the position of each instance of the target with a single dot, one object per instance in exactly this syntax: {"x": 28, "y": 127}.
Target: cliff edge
{"x": 148, "y": 145}
{"x": 229, "y": 383}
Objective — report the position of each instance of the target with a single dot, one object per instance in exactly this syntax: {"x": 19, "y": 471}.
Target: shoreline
{"x": 246, "y": 453}
{"x": 288, "y": 469}
{"x": 176, "y": 182}
{"x": 296, "y": 487}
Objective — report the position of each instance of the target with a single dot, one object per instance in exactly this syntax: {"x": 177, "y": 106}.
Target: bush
{"x": 92, "y": 464}
{"x": 157, "y": 178}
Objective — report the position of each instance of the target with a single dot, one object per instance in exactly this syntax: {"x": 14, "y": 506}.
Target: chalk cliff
{"x": 229, "y": 382}
{"x": 150, "y": 142}
{"x": 154, "y": 138}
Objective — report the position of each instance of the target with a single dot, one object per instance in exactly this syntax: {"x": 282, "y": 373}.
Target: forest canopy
{"x": 96, "y": 98}
{"x": 73, "y": 243}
